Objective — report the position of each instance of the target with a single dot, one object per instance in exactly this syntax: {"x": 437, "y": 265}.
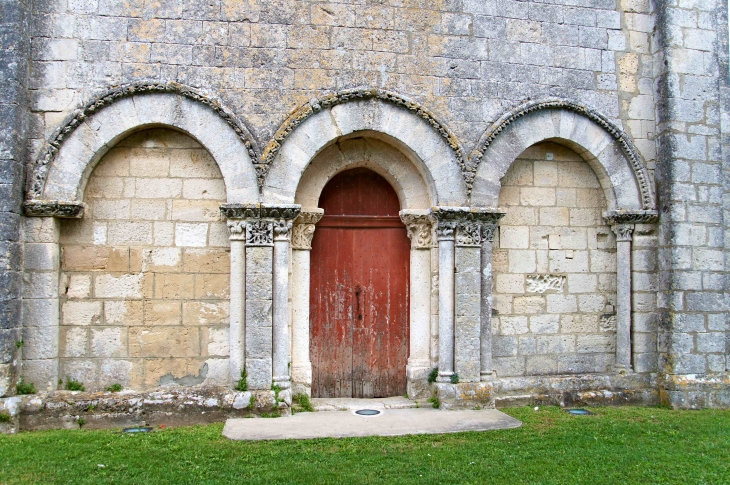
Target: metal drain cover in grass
{"x": 138, "y": 429}
{"x": 367, "y": 412}
{"x": 579, "y": 412}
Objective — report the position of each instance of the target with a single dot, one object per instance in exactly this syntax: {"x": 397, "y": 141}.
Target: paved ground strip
{"x": 390, "y": 422}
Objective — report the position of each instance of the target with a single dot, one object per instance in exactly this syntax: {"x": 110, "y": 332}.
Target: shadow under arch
{"x": 605, "y": 147}
{"x": 63, "y": 169}
{"x": 370, "y": 150}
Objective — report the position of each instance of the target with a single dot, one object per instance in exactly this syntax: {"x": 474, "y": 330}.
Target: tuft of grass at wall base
{"x": 615, "y": 445}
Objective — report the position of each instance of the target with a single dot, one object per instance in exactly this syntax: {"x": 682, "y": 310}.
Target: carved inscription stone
{"x": 541, "y": 283}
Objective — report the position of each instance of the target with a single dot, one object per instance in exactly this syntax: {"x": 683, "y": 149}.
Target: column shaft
{"x": 623, "y": 300}
{"x": 301, "y": 366}
{"x": 281, "y": 312}
{"x": 446, "y": 309}
{"x": 420, "y": 311}
{"x": 237, "y": 309}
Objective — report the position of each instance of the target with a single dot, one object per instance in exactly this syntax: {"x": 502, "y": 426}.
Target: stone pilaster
{"x": 622, "y": 223}
{"x": 489, "y": 226}
{"x": 302, "y": 234}
{"x": 420, "y": 232}
{"x": 464, "y": 332}
{"x": 266, "y": 312}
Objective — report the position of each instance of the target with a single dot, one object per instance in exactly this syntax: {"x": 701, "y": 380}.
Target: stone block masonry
{"x": 554, "y": 269}
{"x": 140, "y": 121}
{"x": 144, "y": 275}
{"x": 15, "y": 19}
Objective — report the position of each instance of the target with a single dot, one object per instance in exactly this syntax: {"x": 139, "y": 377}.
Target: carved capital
{"x": 419, "y": 228}
{"x": 623, "y": 231}
{"x": 471, "y": 222}
{"x": 282, "y": 229}
{"x": 237, "y": 229}
{"x": 469, "y": 234}
{"x": 54, "y": 208}
{"x": 303, "y": 230}
{"x": 488, "y": 230}
{"x": 260, "y": 233}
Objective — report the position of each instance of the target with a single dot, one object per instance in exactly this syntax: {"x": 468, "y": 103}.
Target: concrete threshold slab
{"x": 345, "y": 424}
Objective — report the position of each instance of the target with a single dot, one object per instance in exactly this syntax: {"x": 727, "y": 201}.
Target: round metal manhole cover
{"x": 367, "y": 412}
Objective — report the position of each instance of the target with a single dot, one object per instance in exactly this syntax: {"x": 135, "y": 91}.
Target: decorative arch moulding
{"x": 624, "y": 141}
{"x": 262, "y": 160}
{"x": 331, "y": 100}
{"x": 37, "y": 179}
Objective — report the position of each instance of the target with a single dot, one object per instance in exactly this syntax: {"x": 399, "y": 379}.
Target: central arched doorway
{"x": 359, "y": 290}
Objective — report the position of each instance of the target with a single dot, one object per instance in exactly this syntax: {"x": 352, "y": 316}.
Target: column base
{"x": 485, "y": 376}
{"x": 282, "y": 382}
{"x": 444, "y": 377}
{"x": 417, "y": 379}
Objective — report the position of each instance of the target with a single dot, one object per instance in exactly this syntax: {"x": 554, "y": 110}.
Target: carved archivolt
{"x": 37, "y": 179}
{"x": 330, "y": 100}
{"x": 623, "y": 140}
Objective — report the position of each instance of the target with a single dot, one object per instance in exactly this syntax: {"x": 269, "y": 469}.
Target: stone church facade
{"x": 561, "y": 170}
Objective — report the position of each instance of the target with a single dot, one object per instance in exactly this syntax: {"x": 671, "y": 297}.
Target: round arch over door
{"x": 359, "y": 290}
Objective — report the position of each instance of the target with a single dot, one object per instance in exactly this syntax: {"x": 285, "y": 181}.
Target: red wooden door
{"x": 359, "y": 290}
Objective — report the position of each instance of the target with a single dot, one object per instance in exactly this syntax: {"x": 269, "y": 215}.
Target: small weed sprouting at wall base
{"x": 81, "y": 422}
{"x": 5, "y": 418}
{"x": 454, "y": 378}
{"x": 242, "y": 384}
{"x": 252, "y": 401}
{"x": 304, "y": 403}
{"x": 73, "y": 385}
{"x": 114, "y": 388}
{"x": 22, "y": 388}
{"x": 435, "y": 402}
{"x": 433, "y": 375}
{"x": 271, "y": 415}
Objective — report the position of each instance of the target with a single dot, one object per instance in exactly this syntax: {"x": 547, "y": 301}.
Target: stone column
{"x": 622, "y": 223}
{"x": 282, "y": 217}
{"x": 302, "y": 234}
{"x": 445, "y": 232}
{"x": 420, "y": 232}
{"x": 489, "y": 226}
{"x": 237, "y": 338}
{"x": 623, "y": 296}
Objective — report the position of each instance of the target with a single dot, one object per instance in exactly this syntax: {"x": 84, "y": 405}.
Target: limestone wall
{"x": 554, "y": 266}
{"x": 145, "y": 273}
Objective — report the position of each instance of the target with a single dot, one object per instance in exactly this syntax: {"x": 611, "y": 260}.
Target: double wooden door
{"x": 359, "y": 290}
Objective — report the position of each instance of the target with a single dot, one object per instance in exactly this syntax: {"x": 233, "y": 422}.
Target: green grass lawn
{"x": 616, "y": 445}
